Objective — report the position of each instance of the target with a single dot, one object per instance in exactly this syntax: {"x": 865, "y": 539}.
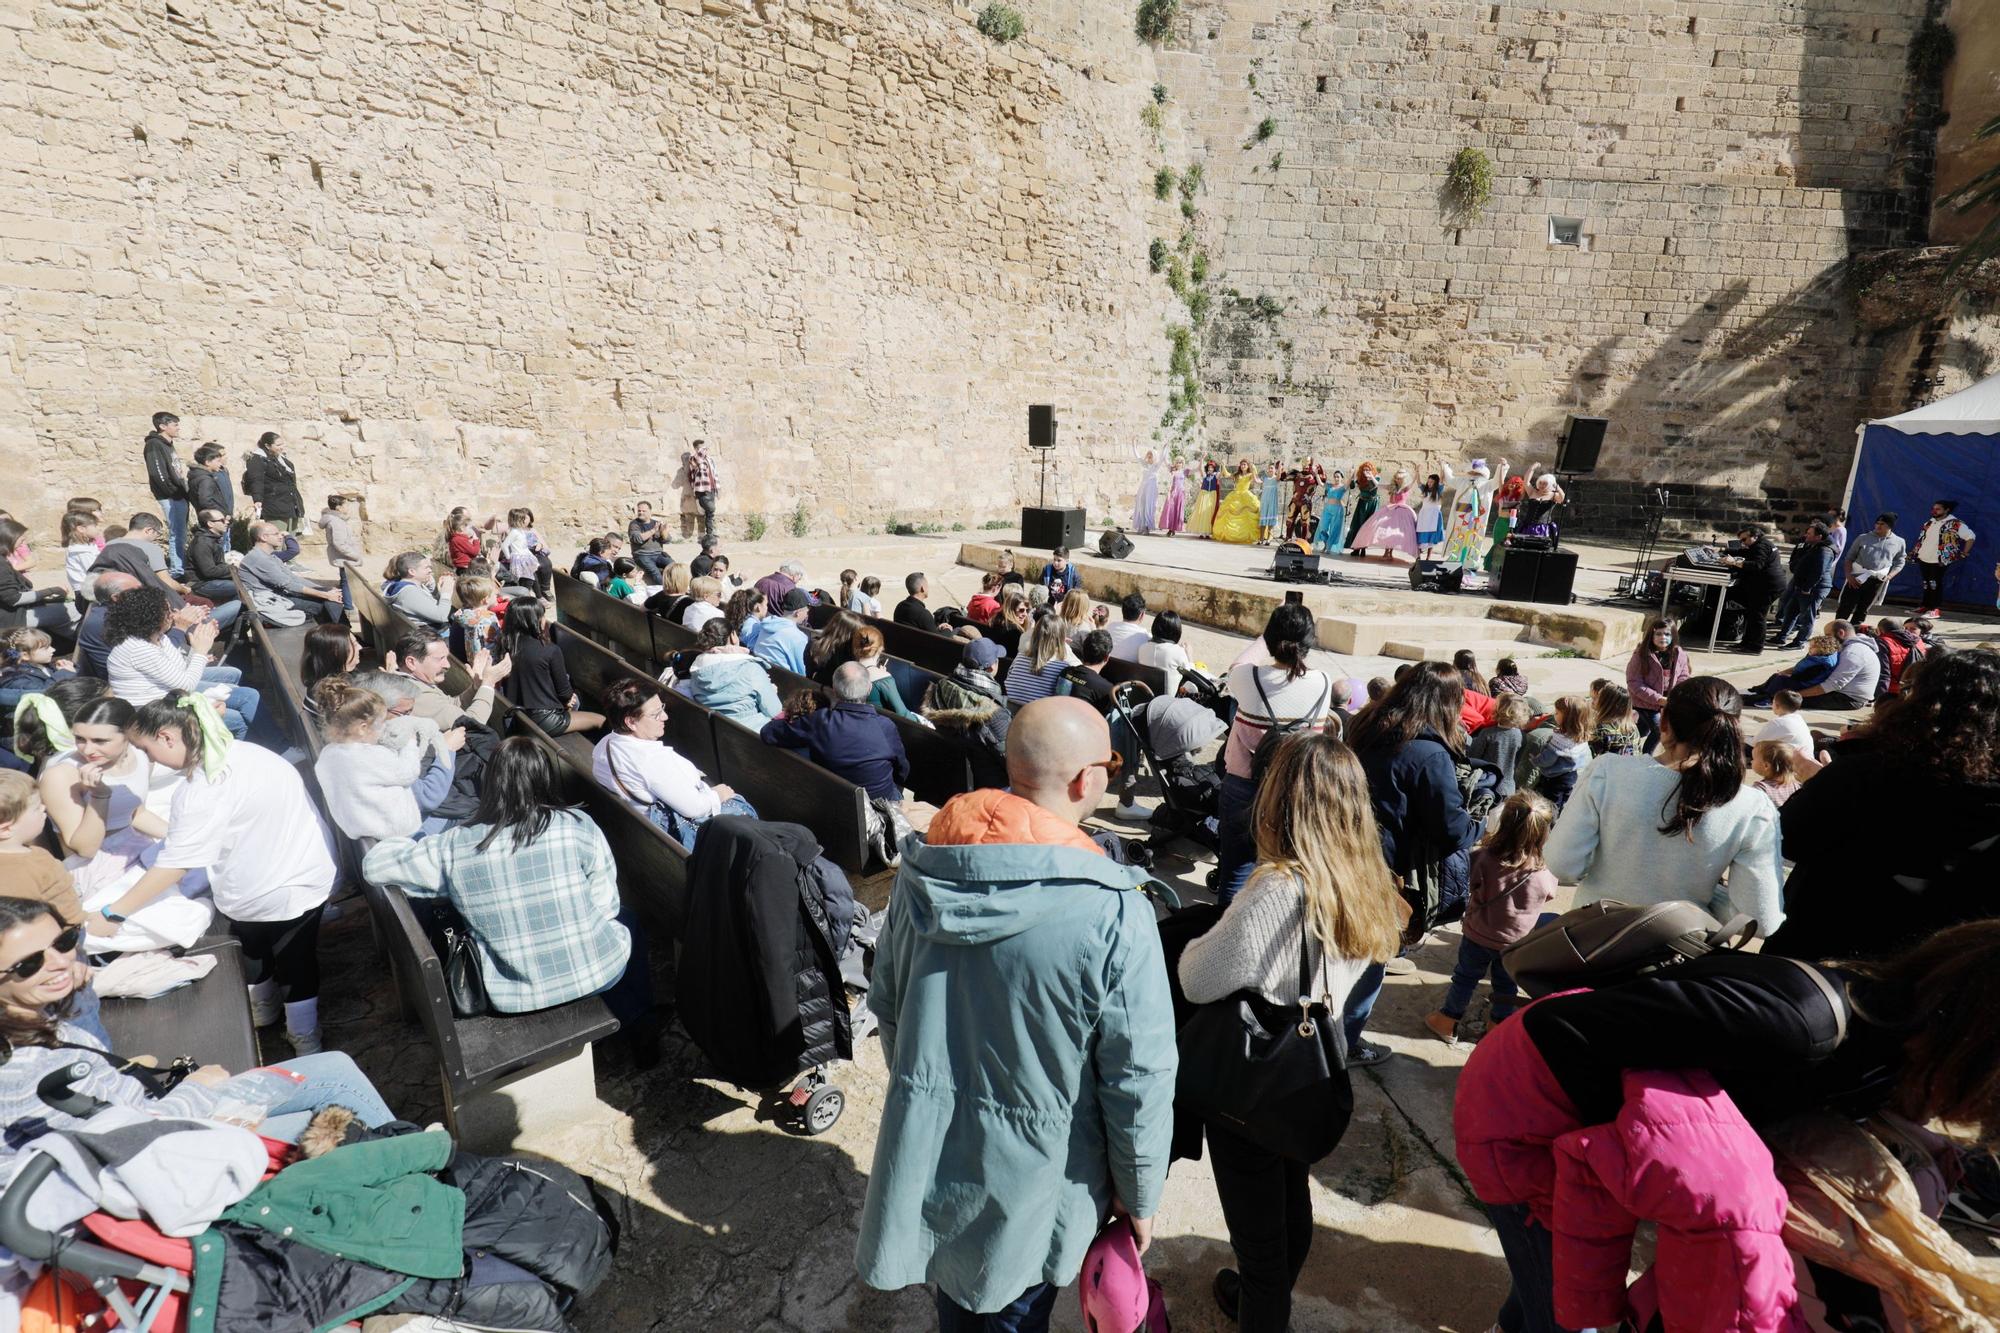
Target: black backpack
{"x": 1275, "y": 734}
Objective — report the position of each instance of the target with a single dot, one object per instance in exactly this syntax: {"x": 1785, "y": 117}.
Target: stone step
{"x": 1368, "y": 636}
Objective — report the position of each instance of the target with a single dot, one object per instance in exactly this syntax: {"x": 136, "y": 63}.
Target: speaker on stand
{"x": 1576, "y": 455}
{"x": 1044, "y": 527}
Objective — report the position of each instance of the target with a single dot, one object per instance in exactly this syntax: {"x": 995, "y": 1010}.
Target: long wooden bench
{"x": 938, "y": 766}
{"x": 936, "y": 653}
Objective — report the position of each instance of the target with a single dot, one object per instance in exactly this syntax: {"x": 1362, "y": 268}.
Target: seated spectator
{"x": 82, "y": 539}
{"x": 1081, "y": 614}
{"x": 1086, "y": 681}
{"x": 648, "y": 537}
{"x": 634, "y": 762}
{"x": 411, "y": 585}
{"x": 780, "y": 581}
{"x": 1855, "y": 674}
{"x": 1822, "y": 654}
{"x": 107, "y": 802}
{"x": 375, "y": 787}
{"x": 672, "y": 600}
{"x": 26, "y": 869}
{"x": 1059, "y": 577}
{"x": 525, "y": 556}
{"x": 703, "y": 565}
{"x": 41, "y": 724}
{"x": 869, "y": 652}
{"x": 1129, "y": 636}
{"x": 92, "y": 653}
{"x": 1560, "y": 761}
{"x": 1615, "y": 731}
{"x": 330, "y": 650}
{"x": 422, "y": 656}
{"x": 242, "y": 813}
{"x": 1163, "y": 650}
{"x": 475, "y": 624}
{"x": 1009, "y": 574}
{"x": 208, "y": 566}
{"x": 21, "y": 602}
{"x": 625, "y": 581}
{"x": 781, "y": 636}
{"x": 850, "y": 739}
{"x": 538, "y": 683}
{"x": 1034, "y": 673}
{"x": 970, "y": 706}
{"x": 985, "y": 604}
{"x": 274, "y": 587}
{"x": 537, "y": 886}
{"x": 1786, "y": 725}
{"x": 1378, "y": 687}
{"x": 831, "y": 648}
{"x": 705, "y": 594}
{"x": 913, "y": 609}
{"x": 28, "y": 665}
{"x": 1466, "y": 663}
{"x": 725, "y": 677}
{"x": 591, "y": 566}
{"x": 144, "y": 666}
{"x": 1507, "y": 680}
{"x": 1776, "y": 765}
{"x": 1500, "y": 744}
{"x": 140, "y": 551}
{"x": 1680, "y": 825}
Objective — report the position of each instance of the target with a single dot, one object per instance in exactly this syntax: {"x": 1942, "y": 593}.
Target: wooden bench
{"x": 209, "y": 1020}
{"x": 938, "y": 767}
{"x": 937, "y": 653}
{"x": 1118, "y": 671}
{"x": 618, "y": 625}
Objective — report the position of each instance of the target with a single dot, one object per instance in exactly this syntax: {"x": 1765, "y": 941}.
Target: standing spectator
{"x": 1812, "y": 580}
{"x": 21, "y": 602}
{"x": 850, "y": 740}
{"x": 82, "y": 539}
{"x": 272, "y": 484}
{"x": 343, "y": 544}
{"x": 1683, "y": 825}
{"x": 1757, "y": 586}
{"x": 1656, "y": 666}
{"x": 1409, "y": 743}
{"x": 648, "y": 536}
{"x": 1926, "y": 767}
{"x": 1876, "y": 559}
{"x": 704, "y": 484}
{"x": 1006, "y": 903}
{"x": 1320, "y": 887}
{"x": 462, "y": 544}
{"x": 141, "y": 552}
{"x": 243, "y": 814}
{"x": 1855, "y": 674}
{"x": 1836, "y": 533}
{"x": 776, "y": 584}
{"x": 208, "y": 565}
{"x": 167, "y": 479}
{"x": 208, "y": 487}
{"x": 1060, "y": 577}
{"x": 911, "y": 610}
{"x": 539, "y": 684}
{"x": 1510, "y": 887}
{"x": 1285, "y": 692}
{"x": 1944, "y": 541}
{"x": 144, "y": 666}
{"x": 262, "y": 571}
{"x": 524, "y": 555}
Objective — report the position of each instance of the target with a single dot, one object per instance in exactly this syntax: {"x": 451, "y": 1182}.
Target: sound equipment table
{"x": 1705, "y": 578}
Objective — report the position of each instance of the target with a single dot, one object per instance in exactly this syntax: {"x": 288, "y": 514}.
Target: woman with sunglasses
{"x": 43, "y": 993}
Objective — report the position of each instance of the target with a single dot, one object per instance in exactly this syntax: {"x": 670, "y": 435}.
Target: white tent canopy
{"x": 1970, "y": 411}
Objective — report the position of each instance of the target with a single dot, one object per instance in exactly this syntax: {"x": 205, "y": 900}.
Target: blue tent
{"x": 1947, "y": 450}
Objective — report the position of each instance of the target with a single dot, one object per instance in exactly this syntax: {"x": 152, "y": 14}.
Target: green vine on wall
{"x": 1155, "y": 20}
{"x": 1003, "y": 23}
{"x": 1468, "y": 181}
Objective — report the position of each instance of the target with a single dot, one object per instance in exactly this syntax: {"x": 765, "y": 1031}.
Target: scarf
{"x": 54, "y": 725}
{"x": 212, "y": 736}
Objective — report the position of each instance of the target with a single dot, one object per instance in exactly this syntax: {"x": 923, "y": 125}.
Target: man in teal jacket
{"x": 1029, "y": 1035}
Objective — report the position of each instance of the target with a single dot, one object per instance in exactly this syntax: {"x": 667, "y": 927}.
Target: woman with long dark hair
{"x": 41, "y": 729}
{"x": 1676, "y": 824}
{"x": 1282, "y": 692}
{"x": 1874, "y": 835}
{"x": 1410, "y": 742}
{"x": 539, "y": 684}
{"x": 330, "y": 650}
{"x": 107, "y": 801}
{"x": 831, "y": 648}
{"x": 533, "y": 877}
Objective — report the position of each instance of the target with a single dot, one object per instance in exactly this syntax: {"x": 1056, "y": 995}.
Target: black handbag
{"x": 463, "y": 980}
{"x": 1273, "y": 1074}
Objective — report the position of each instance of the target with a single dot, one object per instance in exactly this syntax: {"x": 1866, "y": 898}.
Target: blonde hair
{"x": 1780, "y": 758}
{"x": 1573, "y": 717}
{"x": 1075, "y": 606}
{"x": 1612, "y": 701}
{"x": 1048, "y": 641}
{"x": 1013, "y": 603}
{"x": 1513, "y": 712}
{"x": 1521, "y": 829}
{"x": 17, "y": 793}
{"x": 474, "y": 589}
{"x": 1819, "y": 645}
{"x": 22, "y": 640}
{"x": 1314, "y": 822}
{"x": 675, "y": 580}
{"x": 705, "y": 589}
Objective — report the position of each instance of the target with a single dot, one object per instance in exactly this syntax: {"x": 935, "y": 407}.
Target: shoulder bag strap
{"x": 1833, "y": 995}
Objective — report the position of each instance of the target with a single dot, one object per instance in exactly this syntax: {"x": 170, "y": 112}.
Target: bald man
{"x": 1028, "y": 1030}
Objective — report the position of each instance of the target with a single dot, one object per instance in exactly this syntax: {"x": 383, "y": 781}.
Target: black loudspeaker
{"x": 1293, "y": 563}
{"x": 1537, "y": 576}
{"x": 1114, "y": 545}
{"x": 1046, "y": 529}
{"x": 1583, "y": 440}
{"x": 1434, "y": 576}
{"x": 1041, "y": 426}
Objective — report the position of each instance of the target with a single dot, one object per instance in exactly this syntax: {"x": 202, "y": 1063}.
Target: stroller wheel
{"x": 823, "y": 1108}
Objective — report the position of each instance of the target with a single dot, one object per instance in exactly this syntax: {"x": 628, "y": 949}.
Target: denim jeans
{"x": 653, "y": 562}
{"x": 1531, "y": 1304}
{"x": 1796, "y": 614}
{"x": 684, "y": 830}
{"x": 1236, "y": 851}
{"x": 1648, "y": 720}
{"x": 1476, "y": 961}
{"x": 1029, "y": 1313}
{"x": 177, "y": 535}
{"x": 332, "y": 1079}
{"x": 223, "y": 594}
{"x": 1361, "y": 1003}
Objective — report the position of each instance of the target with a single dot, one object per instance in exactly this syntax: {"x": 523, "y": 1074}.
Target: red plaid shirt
{"x": 701, "y": 473}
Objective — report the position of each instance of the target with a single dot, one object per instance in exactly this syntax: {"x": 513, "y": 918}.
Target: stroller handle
{"x": 24, "y": 1238}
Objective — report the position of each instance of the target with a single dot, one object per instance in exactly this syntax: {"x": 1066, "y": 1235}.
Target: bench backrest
{"x": 618, "y": 625}
{"x": 382, "y": 625}
{"x": 938, "y": 767}
{"x": 592, "y": 668}
{"x": 1118, "y": 671}
{"x": 936, "y": 653}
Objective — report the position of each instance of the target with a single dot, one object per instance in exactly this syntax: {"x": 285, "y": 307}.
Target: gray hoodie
{"x": 343, "y": 547}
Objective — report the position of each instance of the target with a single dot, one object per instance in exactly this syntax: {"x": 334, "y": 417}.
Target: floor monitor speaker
{"x": 1548, "y": 577}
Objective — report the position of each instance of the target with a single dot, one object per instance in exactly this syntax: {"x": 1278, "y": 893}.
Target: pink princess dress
{"x": 1173, "y": 514}
{"x": 1391, "y": 529}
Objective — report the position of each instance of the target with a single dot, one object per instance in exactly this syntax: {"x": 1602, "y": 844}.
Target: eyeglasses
{"x": 1112, "y": 767}
{"x": 30, "y": 967}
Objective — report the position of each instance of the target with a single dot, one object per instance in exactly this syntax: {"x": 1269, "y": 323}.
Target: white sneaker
{"x": 1135, "y": 814}
{"x": 265, "y": 1013}
{"x": 305, "y": 1043}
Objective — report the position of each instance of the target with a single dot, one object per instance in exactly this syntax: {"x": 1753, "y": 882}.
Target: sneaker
{"x": 266, "y": 1013}
{"x": 1228, "y": 1291}
{"x": 1442, "y": 1025}
{"x": 1368, "y": 1053}
{"x": 305, "y": 1043}
{"x": 1133, "y": 814}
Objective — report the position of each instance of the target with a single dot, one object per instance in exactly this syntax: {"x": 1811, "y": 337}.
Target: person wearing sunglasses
{"x": 44, "y": 1002}
{"x": 1029, "y": 1035}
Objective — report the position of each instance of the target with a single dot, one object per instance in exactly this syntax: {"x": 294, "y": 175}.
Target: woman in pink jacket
{"x": 1591, "y": 1111}
{"x": 1658, "y": 664}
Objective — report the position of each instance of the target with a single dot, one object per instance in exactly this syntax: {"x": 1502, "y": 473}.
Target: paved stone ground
{"x": 733, "y": 1222}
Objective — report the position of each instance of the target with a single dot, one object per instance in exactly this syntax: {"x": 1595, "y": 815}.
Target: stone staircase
{"x": 1414, "y": 638}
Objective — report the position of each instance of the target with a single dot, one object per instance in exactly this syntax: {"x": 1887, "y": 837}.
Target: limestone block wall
{"x": 527, "y": 249}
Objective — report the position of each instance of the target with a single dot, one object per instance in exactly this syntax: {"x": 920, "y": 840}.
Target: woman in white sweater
{"x": 1320, "y": 875}
{"x": 375, "y": 787}
{"x": 1680, "y": 824}
{"x": 145, "y": 665}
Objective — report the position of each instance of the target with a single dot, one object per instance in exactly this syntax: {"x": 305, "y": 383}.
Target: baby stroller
{"x": 1168, "y": 731}
{"x": 761, "y": 986}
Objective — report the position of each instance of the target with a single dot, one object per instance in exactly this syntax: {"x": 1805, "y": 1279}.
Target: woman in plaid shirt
{"x": 535, "y": 882}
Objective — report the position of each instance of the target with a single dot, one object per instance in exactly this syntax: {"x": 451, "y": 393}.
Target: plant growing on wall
{"x": 1266, "y": 128}
{"x": 1468, "y": 181}
{"x": 1156, "y": 19}
{"x": 1931, "y": 49}
{"x": 1156, "y": 254}
{"x": 1163, "y": 182}
{"x": 1003, "y": 23}
{"x": 801, "y": 520}
{"x": 754, "y": 527}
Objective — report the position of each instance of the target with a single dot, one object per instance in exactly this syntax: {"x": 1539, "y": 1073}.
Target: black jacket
{"x": 205, "y": 560}
{"x": 274, "y": 484}
{"x": 1763, "y": 571}
{"x": 912, "y": 612}
{"x": 164, "y": 473}
{"x": 539, "y": 678}
{"x": 768, "y": 919}
{"x": 210, "y": 489}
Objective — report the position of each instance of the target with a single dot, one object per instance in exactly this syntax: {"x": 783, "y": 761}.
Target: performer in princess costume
{"x": 1471, "y": 509}
{"x": 1505, "y": 500}
{"x": 1208, "y": 498}
{"x": 1173, "y": 514}
{"x": 1393, "y": 529}
{"x": 1430, "y": 515}
{"x": 1332, "y": 513}
{"x": 1148, "y": 504}
{"x": 1267, "y": 505}
{"x": 1236, "y": 518}
{"x": 1363, "y": 496}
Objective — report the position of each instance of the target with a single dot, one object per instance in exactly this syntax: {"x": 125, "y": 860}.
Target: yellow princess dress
{"x": 1236, "y": 519}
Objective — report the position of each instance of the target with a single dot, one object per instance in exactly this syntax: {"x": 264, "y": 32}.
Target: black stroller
{"x": 1168, "y": 731}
